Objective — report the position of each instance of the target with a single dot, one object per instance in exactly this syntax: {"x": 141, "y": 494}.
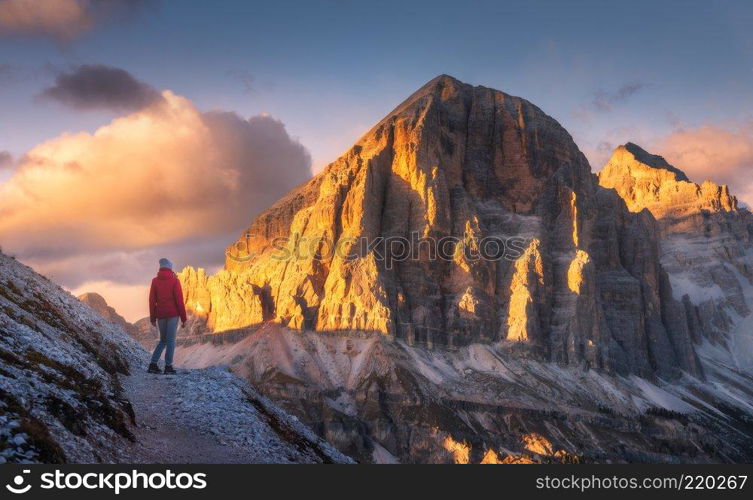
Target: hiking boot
{"x": 169, "y": 370}
{"x": 153, "y": 368}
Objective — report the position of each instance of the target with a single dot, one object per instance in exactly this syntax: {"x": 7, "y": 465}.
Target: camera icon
{"x": 17, "y": 486}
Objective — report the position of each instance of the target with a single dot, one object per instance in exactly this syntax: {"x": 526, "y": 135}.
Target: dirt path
{"x": 208, "y": 416}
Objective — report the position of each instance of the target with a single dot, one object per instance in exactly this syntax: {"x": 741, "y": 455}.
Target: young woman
{"x": 165, "y": 308}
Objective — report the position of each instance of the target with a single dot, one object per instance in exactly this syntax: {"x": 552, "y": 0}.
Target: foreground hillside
{"x": 386, "y": 401}
{"x": 73, "y": 389}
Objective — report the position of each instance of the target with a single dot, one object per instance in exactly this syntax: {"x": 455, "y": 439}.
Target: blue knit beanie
{"x": 163, "y": 262}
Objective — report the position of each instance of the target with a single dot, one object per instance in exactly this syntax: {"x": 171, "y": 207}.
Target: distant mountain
{"x": 99, "y": 304}
{"x": 706, "y": 243}
{"x": 570, "y": 342}
{"x": 142, "y": 330}
{"x": 146, "y": 333}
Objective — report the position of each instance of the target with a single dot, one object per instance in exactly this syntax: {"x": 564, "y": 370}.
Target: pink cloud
{"x": 62, "y": 20}
{"x": 721, "y": 154}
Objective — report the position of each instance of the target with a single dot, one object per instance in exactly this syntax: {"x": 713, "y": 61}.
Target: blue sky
{"x": 330, "y": 69}
{"x": 674, "y": 77}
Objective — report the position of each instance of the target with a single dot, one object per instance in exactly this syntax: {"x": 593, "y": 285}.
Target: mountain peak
{"x": 648, "y": 181}
{"x": 93, "y": 300}
{"x": 440, "y": 82}
{"x": 453, "y": 92}
{"x": 434, "y": 87}
{"x": 443, "y": 79}
{"x": 651, "y": 160}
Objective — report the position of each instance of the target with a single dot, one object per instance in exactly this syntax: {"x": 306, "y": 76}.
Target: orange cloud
{"x": 95, "y": 211}
{"x": 724, "y": 155}
{"x": 62, "y": 20}
{"x": 154, "y": 177}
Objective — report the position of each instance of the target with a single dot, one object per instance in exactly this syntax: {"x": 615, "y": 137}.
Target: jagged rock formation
{"x": 579, "y": 281}
{"x": 73, "y": 388}
{"x": 706, "y": 245}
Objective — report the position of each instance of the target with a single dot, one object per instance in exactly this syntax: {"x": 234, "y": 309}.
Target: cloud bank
{"x": 167, "y": 180}
{"x": 96, "y": 86}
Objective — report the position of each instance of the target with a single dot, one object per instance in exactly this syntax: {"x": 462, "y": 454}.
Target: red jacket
{"x": 166, "y": 296}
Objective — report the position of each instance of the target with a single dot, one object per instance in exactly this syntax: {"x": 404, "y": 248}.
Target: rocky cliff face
{"x": 706, "y": 243}
{"x": 473, "y": 356}
{"x": 509, "y": 239}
